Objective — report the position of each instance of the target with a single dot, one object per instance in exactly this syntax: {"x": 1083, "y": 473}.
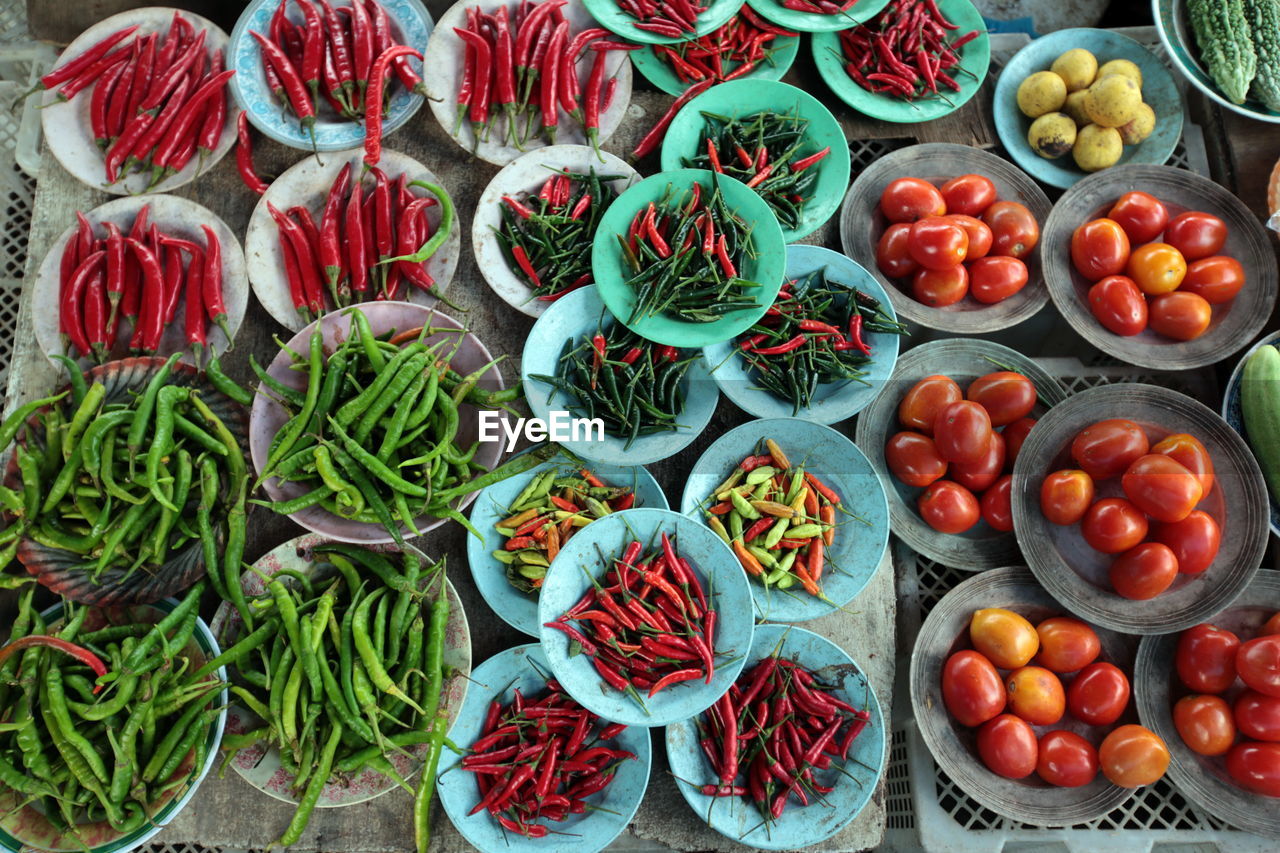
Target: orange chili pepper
{"x": 827, "y": 514}
{"x": 811, "y": 503}
{"x": 779, "y": 458}
{"x": 553, "y": 541}
{"x": 815, "y": 560}
{"x": 822, "y": 488}
{"x": 806, "y": 580}
{"x": 748, "y": 560}
{"x": 721, "y": 508}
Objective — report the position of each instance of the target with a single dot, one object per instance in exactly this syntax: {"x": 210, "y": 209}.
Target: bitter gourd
{"x": 1264, "y": 24}
{"x": 1226, "y": 45}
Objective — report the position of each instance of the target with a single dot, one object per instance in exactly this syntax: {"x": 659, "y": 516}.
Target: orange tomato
{"x": 1132, "y": 756}
{"x": 1066, "y": 644}
{"x": 1205, "y": 724}
{"x": 1156, "y": 268}
{"x": 1036, "y": 695}
{"x": 1007, "y": 639}
{"x": 1182, "y": 316}
{"x": 1187, "y": 451}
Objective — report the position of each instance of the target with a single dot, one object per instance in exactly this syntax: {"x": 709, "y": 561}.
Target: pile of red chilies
{"x": 668, "y": 18}
{"x": 156, "y": 100}
{"x": 138, "y": 275}
{"x": 819, "y": 7}
{"x": 904, "y": 51}
{"x": 776, "y": 726}
{"x": 648, "y": 626}
{"x": 540, "y": 759}
{"x": 734, "y": 50}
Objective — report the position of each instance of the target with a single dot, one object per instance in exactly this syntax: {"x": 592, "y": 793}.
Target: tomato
{"x": 1113, "y": 525}
{"x": 1258, "y": 664}
{"x": 1142, "y": 216}
{"x": 1131, "y": 756}
{"x": 1014, "y": 231}
{"x": 1066, "y": 760}
{"x": 948, "y": 507}
{"x": 1099, "y": 694}
{"x": 1007, "y": 745}
{"x": 909, "y": 199}
{"x": 892, "y": 256}
{"x": 1256, "y": 767}
{"x": 1161, "y": 487}
{"x": 996, "y": 504}
{"x": 1205, "y": 723}
{"x": 1194, "y": 541}
{"x": 1005, "y": 638}
{"x": 968, "y": 194}
{"x": 1216, "y": 279}
{"x": 1271, "y": 626}
{"x": 978, "y": 233}
{"x": 1156, "y": 268}
{"x": 962, "y": 432}
{"x": 1118, "y": 305}
{"x": 1035, "y": 695}
{"x": 914, "y": 459}
{"x": 979, "y": 476}
{"x": 1187, "y": 451}
{"x": 1099, "y": 248}
{"x": 971, "y": 688}
{"x": 1196, "y": 235}
{"x": 1066, "y": 644}
{"x": 1182, "y": 316}
{"x": 1258, "y": 715}
{"x": 1007, "y": 396}
{"x": 1106, "y": 448}
{"x": 1144, "y": 571}
{"x": 1206, "y": 658}
{"x": 937, "y": 243}
{"x": 993, "y": 280}
{"x": 1065, "y": 496}
{"x": 1014, "y": 435}
{"x": 940, "y": 288}
{"x": 920, "y": 406}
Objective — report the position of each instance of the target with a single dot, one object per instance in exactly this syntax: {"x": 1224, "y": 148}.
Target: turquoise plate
{"x": 812, "y": 22}
{"x": 659, "y": 73}
{"x": 612, "y": 18}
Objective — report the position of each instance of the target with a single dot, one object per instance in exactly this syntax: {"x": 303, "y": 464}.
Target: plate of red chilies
{"x": 817, "y": 16}
{"x": 662, "y": 21}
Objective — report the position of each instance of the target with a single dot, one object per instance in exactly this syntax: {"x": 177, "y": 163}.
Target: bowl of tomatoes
{"x": 1218, "y": 707}
{"x": 943, "y": 436}
{"x": 953, "y": 236}
{"x": 1139, "y": 508}
{"x": 1158, "y": 266}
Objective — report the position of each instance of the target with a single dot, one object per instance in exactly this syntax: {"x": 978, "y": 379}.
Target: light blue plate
{"x": 660, "y": 74}
{"x": 1158, "y": 89}
{"x": 525, "y": 668}
{"x": 721, "y": 576}
{"x": 411, "y": 23}
{"x": 835, "y": 401}
{"x": 1235, "y": 419}
{"x": 815, "y": 22}
{"x": 737, "y": 818}
{"x": 578, "y": 314}
{"x": 836, "y": 461}
{"x": 518, "y": 610}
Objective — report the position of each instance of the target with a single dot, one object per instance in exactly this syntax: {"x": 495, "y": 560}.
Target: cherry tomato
{"x": 1007, "y": 745}
{"x": 962, "y": 432}
{"x": 940, "y": 288}
{"x": 1014, "y": 231}
{"x": 979, "y": 476}
{"x": 1271, "y": 626}
{"x": 1258, "y": 664}
{"x": 948, "y": 507}
{"x": 1106, "y": 448}
{"x": 1099, "y": 694}
{"x": 1035, "y": 695}
{"x": 1205, "y": 724}
{"x": 1216, "y": 279}
{"x": 1118, "y": 305}
{"x": 1206, "y": 658}
{"x": 1156, "y": 268}
{"x": 1144, "y": 571}
{"x": 1161, "y": 487}
{"x": 892, "y": 256}
{"x": 1005, "y": 638}
{"x": 1196, "y": 235}
{"x": 1255, "y": 767}
{"x": 968, "y": 194}
{"x": 937, "y": 243}
{"x": 1007, "y": 396}
{"x": 1066, "y": 644}
{"x": 971, "y": 688}
{"x": 995, "y": 279}
{"x": 977, "y": 231}
{"x": 1099, "y": 248}
{"x": 1187, "y": 451}
{"x": 996, "y": 504}
{"x": 1066, "y": 759}
{"x": 1142, "y": 216}
{"x": 1131, "y": 756}
{"x": 1065, "y": 496}
{"x": 919, "y": 408}
{"x": 1113, "y": 525}
{"x": 1014, "y": 435}
{"x": 1182, "y": 316}
{"x": 909, "y": 199}
{"x": 914, "y": 459}
{"x": 1258, "y": 715}
{"x": 1194, "y": 541}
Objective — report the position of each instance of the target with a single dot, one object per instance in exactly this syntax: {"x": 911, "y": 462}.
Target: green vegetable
{"x": 1226, "y": 44}
{"x": 1260, "y": 405}
{"x": 1264, "y": 22}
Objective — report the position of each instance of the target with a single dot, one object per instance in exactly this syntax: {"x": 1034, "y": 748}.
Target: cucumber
{"x": 1264, "y": 24}
{"x": 1226, "y": 44}
{"x": 1260, "y": 406}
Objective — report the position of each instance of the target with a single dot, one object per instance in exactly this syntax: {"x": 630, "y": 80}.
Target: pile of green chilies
{"x": 98, "y": 720}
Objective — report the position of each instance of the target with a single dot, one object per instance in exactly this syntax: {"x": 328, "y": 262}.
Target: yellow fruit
{"x": 1139, "y": 127}
{"x": 1052, "y": 135}
{"x": 1124, "y": 68}
{"x": 1077, "y": 68}
{"x": 1042, "y": 92}
{"x": 1074, "y": 107}
{"x": 1113, "y": 100}
{"x": 1005, "y": 638}
{"x": 1097, "y": 147}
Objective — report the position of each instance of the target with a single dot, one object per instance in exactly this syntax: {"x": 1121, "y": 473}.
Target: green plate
{"x": 612, "y": 18}
{"x": 659, "y": 73}
{"x": 744, "y": 97}
{"x": 767, "y": 268}
{"x": 975, "y": 57}
{"x": 810, "y": 22}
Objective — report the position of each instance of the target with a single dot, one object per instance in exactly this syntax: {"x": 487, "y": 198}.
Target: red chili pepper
{"x": 353, "y": 238}
{"x": 597, "y": 357}
{"x": 658, "y": 131}
{"x": 294, "y": 88}
{"x": 805, "y": 162}
{"x": 244, "y": 156}
{"x": 373, "y": 100}
{"x": 726, "y": 263}
{"x": 478, "y": 102}
{"x": 363, "y": 51}
{"x": 304, "y": 257}
{"x": 591, "y": 103}
{"x": 80, "y": 653}
{"x": 146, "y": 334}
{"x": 211, "y": 281}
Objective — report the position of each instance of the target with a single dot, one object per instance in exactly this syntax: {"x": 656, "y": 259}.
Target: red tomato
{"x": 1007, "y": 396}
{"x": 1206, "y": 658}
{"x": 1161, "y": 487}
{"x": 1156, "y": 268}
{"x": 968, "y": 194}
{"x": 1216, "y": 279}
{"x": 1187, "y": 451}
{"x": 1144, "y": 571}
{"x": 996, "y": 504}
{"x": 1182, "y": 316}
{"x": 1142, "y": 216}
{"x": 1272, "y": 626}
{"x": 1194, "y": 541}
{"x": 1258, "y": 715}
{"x": 978, "y": 232}
{"x": 1035, "y": 695}
{"x": 1014, "y": 435}
{"x": 1066, "y": 759}
{"x": 919, "y": 408}
{"x": 1107, "y": 448}
{"x": 914, "y": 459}
{"x": 892, "y": 256}
{"x": 948, "y": 507}
{"x": 1066, "y": 644}
{"x": 1099, "y": 694}
{"x": 962, "y": 432}
{"x": 1196, "y": 235}
{"x": 909, "y": 199}
{"x": 1132, "y": 756}
{"x": 1118, "y": 304}
{"x": 1113, "y": 525}
{"x": 971, "y": 688}
{"x": 978, "y": 476}
{"x": 1007, "y": 745}
{"x": 1258, "y": 664}
{"x": 937, "y": 243}
{"x": 1204, "y": 722}
{"x": 1255, "y": 767}
{"x": 995, "y": 279}
{"x": 1065, "y": 496}
{"x": 940, "y": 288}
{"x": 1014, "y": 231}
{"x": 1099, "y": 248}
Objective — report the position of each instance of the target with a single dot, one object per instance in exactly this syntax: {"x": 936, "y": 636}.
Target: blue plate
{"x": 524, "y": 667}
{"x": 411, "y": 24}
{"x": 518, "y": 610}
{"x": 1158, "y": 89}
{"x": 837, "y": 462}
{"x": 1235, "y": 419}
{"x": 835, "y": 401}
{"x": 737, "y": 818}
{"x": 721, "y": 577}
{"x": 581, "y": 313}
